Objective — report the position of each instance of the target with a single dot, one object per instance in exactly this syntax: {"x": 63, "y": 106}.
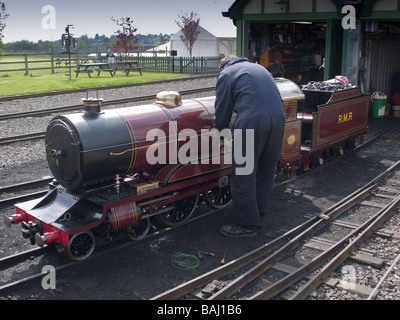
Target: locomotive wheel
{"x": 139, "y": 231}
{"x": 180, "y": 211}
{"x": 315, "y": 160}
{"x": 220, "y": 196}
{"x": 300, "y": 170}
{"x": 81, "y": 246}
{"x": 351, "y": 144}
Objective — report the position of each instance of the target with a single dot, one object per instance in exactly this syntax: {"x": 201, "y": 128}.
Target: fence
{"x": 185, "y": 65}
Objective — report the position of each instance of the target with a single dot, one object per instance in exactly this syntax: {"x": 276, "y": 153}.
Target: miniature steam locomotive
{"x": 105, "y": 181}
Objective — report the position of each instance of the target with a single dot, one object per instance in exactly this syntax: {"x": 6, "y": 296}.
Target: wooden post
{"x": 52, "y": 63}
{"x": 26, "y": 65}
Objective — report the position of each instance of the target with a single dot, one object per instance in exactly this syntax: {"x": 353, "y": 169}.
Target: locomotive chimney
{"x": 92, "y": 105}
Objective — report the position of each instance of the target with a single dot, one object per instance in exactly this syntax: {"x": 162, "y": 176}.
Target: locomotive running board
{"x": 61, "y": 209}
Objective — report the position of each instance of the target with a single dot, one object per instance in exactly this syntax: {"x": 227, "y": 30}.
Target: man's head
{"x": 225, "y": 60}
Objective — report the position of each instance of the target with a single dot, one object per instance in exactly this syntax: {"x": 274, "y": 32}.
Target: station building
{"x": 293, "y": 38}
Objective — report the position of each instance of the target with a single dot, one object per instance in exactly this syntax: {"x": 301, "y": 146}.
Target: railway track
{"x": 13, "y": 194}
{"x": 41, "y": 135}
{"x": 27, "y": 275}
{"x": 290, "y": 238}
{"x": 253, "y": 267}
{"x": 105, "y": 103}
{"x": 25, "y": 137}
{"x": 376, "y": 195}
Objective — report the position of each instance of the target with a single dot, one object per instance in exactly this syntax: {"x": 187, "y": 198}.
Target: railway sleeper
{"x": 331, "y": 282}
{"x": 361, "y": 257}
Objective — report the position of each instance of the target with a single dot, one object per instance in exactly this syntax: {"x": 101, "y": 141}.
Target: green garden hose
{"x": 184, "y": 261}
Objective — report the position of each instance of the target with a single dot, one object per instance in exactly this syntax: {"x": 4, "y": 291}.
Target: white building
{"x": 207, "y": 45}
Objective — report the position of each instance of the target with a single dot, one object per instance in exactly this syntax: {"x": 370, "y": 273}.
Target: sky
{"x": 35, "y": 20}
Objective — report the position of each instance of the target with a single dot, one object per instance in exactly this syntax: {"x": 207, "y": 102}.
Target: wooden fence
{"x": 52, "y": 62}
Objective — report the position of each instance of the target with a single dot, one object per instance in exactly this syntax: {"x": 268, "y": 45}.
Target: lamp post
{"x": 67, "y": 41}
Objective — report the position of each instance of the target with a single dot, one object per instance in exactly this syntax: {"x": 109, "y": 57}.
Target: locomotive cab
{"x": 312, "y": 100}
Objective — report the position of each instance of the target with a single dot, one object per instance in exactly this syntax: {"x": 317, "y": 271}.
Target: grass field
{"x": 16, "y": 83}
{"x": 43, "y": 81}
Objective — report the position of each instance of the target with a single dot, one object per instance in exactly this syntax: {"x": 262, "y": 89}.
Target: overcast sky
{"x": 35, "y": 20}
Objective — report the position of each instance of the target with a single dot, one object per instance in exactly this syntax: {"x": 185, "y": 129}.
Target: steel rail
{"x": 23, "y": 197}
{"x": 21, "y": 256}
{"x": 366, "y": 229}
{"x": 374, "y": 292}
{"x": 305, "y": 270}
{"x": 105, "y": 103}
{"x": 285, "y": 282}
{"x": 306, "y": 229}
{"x": 29, "y": 184}
{"x": 198, "y": 282}
{"x": 286, "y": 241}
{"x": 97, "y": 254}
{"x": 24, "y": 137}
{"x": 268, "y": 262}
{"x": 290, "y": 279}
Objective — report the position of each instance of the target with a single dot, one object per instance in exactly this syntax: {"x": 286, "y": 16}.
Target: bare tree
{"x": 126, "y": 39}
{"x": 3, "y": 17}
{"x": 189, "y": 24}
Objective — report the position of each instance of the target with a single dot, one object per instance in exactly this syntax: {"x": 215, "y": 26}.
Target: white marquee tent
{"x": 207, "y": 45}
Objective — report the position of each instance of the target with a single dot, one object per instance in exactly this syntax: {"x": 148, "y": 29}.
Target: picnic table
{"x": 88, "y": 68}
{"x": 127, "y": 66}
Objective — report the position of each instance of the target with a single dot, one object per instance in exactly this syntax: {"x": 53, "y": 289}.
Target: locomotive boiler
{"x": 116, "y": 169}
{"x": 93, "y": 147}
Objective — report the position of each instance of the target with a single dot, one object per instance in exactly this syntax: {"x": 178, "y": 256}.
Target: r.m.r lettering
{"x": 345, "y": 117}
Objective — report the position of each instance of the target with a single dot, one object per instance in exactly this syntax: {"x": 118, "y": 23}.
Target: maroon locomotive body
{"x": 105, "y": 181}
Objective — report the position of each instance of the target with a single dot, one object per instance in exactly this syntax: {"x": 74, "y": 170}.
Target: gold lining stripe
{"x": 175, "y": 124}
{"x": 133, "y": 141}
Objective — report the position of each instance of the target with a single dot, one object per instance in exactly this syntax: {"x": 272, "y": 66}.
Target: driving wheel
{"x": 220, "y": 196}
{"x": 179, "y": 211}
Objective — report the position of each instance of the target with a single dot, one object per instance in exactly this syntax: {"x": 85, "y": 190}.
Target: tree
{"x": 189, "y": 24}
{"x": 126, "y": 39}
{"x": 3, "y": 17}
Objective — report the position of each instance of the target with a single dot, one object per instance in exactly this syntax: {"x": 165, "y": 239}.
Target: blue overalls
{"x": 249, "y": 90}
